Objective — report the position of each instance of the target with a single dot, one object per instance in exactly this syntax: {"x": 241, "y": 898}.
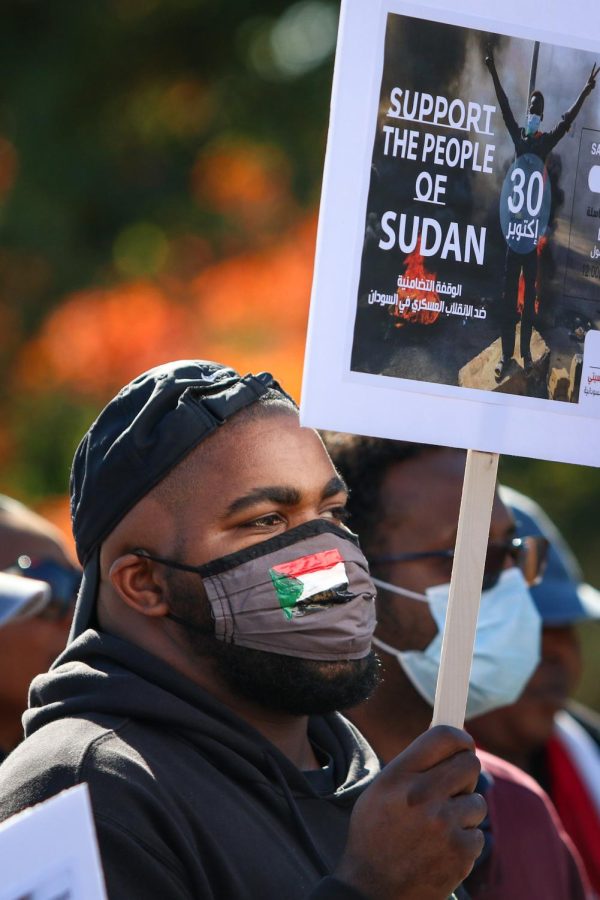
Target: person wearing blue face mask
{"x": 544, "y": 732}
{"x": 404, "y": 503}
{"x": 528, "y": 139}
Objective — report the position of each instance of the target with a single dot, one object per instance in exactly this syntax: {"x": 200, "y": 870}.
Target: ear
{"x": 140, "y": 584}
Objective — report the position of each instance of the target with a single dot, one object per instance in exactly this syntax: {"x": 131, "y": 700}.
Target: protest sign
{"x": 457, "y": 274}
{"x": 456, "y": 295}
{"x": 49, "y": 852}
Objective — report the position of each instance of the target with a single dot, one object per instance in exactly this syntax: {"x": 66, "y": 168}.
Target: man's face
{"x": 420, "y": 501}
{"x": 255, "y": 480}
{"x": 559, "y": 671}
{"x": 250, "y": 482}
{"x": 526, "y": 725}
{"x": 535, "y": 105}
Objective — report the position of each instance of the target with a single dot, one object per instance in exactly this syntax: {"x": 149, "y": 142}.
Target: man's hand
{"x": 489, "y": 58}
{"x": 591, "y": 82}
{"x": 413, "y": 834}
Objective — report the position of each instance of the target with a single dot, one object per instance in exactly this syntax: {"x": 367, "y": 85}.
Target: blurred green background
{"x": 160, "y": 167}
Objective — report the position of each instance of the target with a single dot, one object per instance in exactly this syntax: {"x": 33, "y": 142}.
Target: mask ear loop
{"x": 403, "y": 592}
{"x": 195, "y": 570}
{"x": 171, "y": 564}
{"x": 181, "y": 567}
{"x": 387, "y": 647}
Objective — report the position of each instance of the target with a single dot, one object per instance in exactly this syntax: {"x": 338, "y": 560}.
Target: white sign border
{"x": 54, "y": 839}
{"x": 334, "y": 397}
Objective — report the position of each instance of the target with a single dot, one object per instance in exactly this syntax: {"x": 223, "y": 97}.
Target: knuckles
{"x": 454, "y": 738}
{"x": 431, "y": 812}
{"x": 480, "y": 807}
{"x": 467, "y": 844}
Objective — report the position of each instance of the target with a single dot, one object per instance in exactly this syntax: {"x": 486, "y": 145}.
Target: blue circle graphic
{"x": 525, "y": 203}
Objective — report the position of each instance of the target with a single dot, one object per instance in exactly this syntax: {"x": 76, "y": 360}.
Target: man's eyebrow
{"x": 335, "y": 485}
{"x": 288, "y": 496}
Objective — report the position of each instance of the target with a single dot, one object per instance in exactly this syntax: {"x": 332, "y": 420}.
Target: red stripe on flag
{"x": 313, "y": 563}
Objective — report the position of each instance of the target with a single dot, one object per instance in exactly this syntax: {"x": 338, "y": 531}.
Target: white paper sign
{"x": 49, "y": 852}
{"x": 456, "y": 297}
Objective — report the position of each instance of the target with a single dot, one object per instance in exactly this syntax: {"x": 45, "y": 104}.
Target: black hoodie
{"x": 189, "y": 801}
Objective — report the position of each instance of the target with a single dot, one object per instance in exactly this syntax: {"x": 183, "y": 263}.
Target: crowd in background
{"x": 539, "y": 749}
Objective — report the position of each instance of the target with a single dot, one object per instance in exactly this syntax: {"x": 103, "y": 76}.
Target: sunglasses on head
{"x": 64, "y": 583}
{"x": 528, "y": 553}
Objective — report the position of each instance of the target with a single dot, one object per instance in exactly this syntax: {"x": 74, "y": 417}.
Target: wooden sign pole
{"x": 465, "y": 588}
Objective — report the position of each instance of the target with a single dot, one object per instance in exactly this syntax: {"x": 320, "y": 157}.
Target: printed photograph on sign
{"x": 481, "y": 258}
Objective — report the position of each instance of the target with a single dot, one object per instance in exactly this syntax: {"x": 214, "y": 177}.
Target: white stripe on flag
{"x": 323, "y": 580}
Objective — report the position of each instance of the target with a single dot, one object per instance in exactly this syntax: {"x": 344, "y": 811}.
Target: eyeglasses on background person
{"x": 528, "y": 553}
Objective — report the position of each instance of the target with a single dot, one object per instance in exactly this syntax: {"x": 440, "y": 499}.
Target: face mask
{"x": 507, "y": 643}
{"x": 306, "y": 593}
{"x": 533, "y": 124}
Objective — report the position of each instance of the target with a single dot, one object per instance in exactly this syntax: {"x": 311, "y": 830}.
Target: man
{"x": 33, "y": 548}
{"x": 527, "y": 140}
{"x": 544, "y": 733}
{"x": 404, "y": 503}
{"x": 225, "y": 613}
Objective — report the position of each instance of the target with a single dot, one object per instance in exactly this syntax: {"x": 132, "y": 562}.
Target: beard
{"x": 298, "y": 686}
{"x": 277, "y": 682}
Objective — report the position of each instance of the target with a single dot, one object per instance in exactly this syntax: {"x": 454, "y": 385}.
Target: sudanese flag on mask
{"x": 310, "y": 583}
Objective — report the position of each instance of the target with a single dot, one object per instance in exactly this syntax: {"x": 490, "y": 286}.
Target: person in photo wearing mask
{"x": 528, "y": 139}
{"x": 225, "y": 614}
{"x": 404, "y": 503}
{"x": 546, "y": 733}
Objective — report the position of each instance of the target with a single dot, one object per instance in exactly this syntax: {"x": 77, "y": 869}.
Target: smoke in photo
{"x": 446, "y": 293}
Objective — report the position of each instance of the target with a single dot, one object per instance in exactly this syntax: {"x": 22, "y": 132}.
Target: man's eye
{"x": 338, "y": 513}
{"x": 266, "y": 521}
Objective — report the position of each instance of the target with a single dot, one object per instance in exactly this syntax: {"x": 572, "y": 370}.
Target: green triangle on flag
{"x": 288, "y": 590}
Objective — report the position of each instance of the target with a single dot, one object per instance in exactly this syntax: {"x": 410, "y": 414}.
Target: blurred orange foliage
{"x": 253, "y": 308}
{"x": 249, "y": 311}
{"x": 96, "y": 339}
{"x": 248, "y": 182}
